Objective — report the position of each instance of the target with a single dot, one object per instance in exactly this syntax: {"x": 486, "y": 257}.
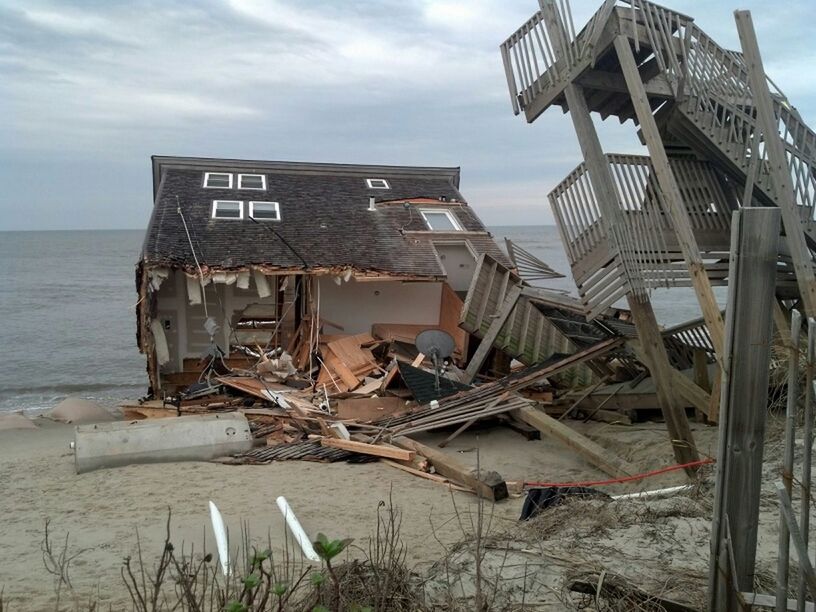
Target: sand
{"x": 102, "y": 510}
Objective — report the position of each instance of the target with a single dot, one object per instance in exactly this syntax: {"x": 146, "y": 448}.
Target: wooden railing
{"x": 534, "y": 61}
{"x": 633, "y": 250}
{"x": 710, "y": 83}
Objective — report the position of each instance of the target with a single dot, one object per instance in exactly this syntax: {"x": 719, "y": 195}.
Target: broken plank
{"x": 370, "y": 387}
{"x": 526, "y": 430}
{"x": 492, "y": 333}
{"x": 432, "y": 477}
{"x": 336, "y": 365}
{"x": 488, "y": 485}
{"x": 594, "y": 453}
{"x": 418, "y": 360}
{"x": 349, "y": 350}
{"x": 366, "y": 409}
{"x": 376, "y": 450}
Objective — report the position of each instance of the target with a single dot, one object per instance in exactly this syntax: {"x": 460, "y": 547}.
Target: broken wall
{"x": 357, "y": 305}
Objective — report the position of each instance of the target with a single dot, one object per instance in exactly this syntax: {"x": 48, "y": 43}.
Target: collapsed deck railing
{"x": 636, "y": 250}
{"x": 711, "y": 85}
{"x": 533, "y": 61}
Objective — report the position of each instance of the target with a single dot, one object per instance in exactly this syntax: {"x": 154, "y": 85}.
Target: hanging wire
{"x": 195, "y": 258}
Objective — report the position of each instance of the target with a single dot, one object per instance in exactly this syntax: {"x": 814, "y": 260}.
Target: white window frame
{"x": 252, "y": 211}
{"x": 241, "y": 180}
{"x": 240, "y": 210}
{"x": 207, "y": 180}
{"x": 449, "y": 214}
{"x": 371, "y": 183}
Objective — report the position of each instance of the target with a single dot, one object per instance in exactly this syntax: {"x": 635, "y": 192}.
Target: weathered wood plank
{"x": 377, "y": 450}
{"x": 754, "y": 237}
{"x": 671, "y": 193}
{"x": 492, "y": 333}
{"x": 488, "y": 484}
{"x": 594, "y": 453}
{"x": 655, "y": 356}
{"x": 778, "y": 164}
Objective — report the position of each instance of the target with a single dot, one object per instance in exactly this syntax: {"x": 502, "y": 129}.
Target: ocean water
{"x": 67, "y": 312}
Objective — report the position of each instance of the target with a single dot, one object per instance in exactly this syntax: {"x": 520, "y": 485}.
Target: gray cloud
{"x": 88, "y": 91}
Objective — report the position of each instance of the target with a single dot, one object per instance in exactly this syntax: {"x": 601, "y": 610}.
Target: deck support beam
{"x": 777, "y": 163}
{"x": 651, "y": 341}
{"x": 749, "y": 331}
{"x": 671, "y": 194}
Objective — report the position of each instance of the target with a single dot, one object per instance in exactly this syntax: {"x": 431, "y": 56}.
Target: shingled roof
{"x": 325, "y": 221}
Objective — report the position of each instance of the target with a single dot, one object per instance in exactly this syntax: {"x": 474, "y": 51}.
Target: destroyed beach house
{"x": 246, "y": 256}
{"x": 334, "y": 262}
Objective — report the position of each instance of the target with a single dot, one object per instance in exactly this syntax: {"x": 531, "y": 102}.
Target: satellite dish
{"x": 437, "y": 345}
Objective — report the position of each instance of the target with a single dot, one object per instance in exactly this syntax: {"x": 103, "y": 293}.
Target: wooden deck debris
{"x": 376, "y": 450}
{"x": 488, "y": 484}
{"x": 591, "y": 451}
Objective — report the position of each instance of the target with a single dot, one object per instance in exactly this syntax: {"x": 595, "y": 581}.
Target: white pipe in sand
{"x": 221, "y": 541}
{"x": 655, "y": 493}
{"x": 297, "y": 531}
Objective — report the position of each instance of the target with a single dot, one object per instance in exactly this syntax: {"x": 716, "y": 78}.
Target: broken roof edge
{"x": 359, "y": 274}
{"x": 451, "y": 173}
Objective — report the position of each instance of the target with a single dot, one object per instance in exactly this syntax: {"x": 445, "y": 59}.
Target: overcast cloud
{"x": 89, "y": 90}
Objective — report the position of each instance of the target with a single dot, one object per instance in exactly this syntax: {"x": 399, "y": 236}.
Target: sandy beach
{"x": 101, "y": 511}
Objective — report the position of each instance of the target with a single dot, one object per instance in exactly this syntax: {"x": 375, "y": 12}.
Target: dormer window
{"x": 375, "y": 183}
{"x": 440, "y": 220}
{"x": 218, "y": 180}
{"x": 264, "y": 211}
{"x": 227, "y": 209}
{"x": 252, "y": 181}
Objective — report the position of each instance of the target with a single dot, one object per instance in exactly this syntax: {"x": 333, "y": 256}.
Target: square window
{"x": 264, "y": 211}
{"x": 222, "y": 180}
{"x": 375, "y": 183}
{"x": 227, "y": 209}
{"x": 441, "y": 221}
{"x": 252, "y": 181}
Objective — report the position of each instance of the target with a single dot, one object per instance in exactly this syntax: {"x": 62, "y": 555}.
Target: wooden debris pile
{"x": 358, "y": 398}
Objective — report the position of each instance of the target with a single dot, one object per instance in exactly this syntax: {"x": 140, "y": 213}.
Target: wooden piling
{"x": 743, "y": 400}
{"x": 777, "y": 162}
{"x": 807, "y": 434}
{"x": 783, "y": 560}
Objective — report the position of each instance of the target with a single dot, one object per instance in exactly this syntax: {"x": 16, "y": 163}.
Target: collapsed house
{"x": 333, "y": 262}
{"x": 244, "y": 257}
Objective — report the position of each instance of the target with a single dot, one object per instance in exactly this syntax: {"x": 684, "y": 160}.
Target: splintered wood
{"x": 358, "y": 397}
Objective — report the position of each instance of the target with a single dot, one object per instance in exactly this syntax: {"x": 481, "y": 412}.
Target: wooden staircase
{"x": 702, "y": 100}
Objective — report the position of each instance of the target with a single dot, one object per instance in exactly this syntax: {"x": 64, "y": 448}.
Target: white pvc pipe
{"x": 297, "y": 531}
{"x": 655, "y": 493}
{"x": 221, "y": 541}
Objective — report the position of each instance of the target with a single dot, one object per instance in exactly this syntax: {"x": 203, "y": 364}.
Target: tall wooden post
{"x": 671, "y": 193}
{"x": 778, "y": 162}
{"x": 653, "y": 349}
{"x": 743, "y": 402}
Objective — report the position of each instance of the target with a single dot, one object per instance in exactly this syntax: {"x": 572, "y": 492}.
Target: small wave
{"x": 66, "y": 389}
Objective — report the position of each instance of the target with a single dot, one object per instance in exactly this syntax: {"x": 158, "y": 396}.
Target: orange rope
{"x": 671, "y": 468}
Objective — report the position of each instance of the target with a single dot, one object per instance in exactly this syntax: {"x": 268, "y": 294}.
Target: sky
{"x": 90, "y": 90}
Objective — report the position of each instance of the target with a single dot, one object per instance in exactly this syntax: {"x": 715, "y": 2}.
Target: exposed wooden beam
{"x": 671, "y": 193}
{"x": 492, "y": 333}
{"x": 777, "y": 163}
{"x": 594, "y": 453}
{"x": 749, "y": 331}
{"x": 376, "y": 450}
{"x": 614, "y": 82}
{"x": 487, "y": 484}
{"x": 655, "y": 357}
